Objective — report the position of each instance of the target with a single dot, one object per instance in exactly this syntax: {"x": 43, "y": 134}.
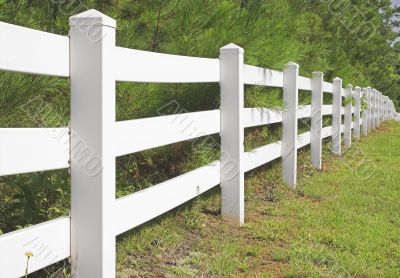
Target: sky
{"x": 396, "y": 2}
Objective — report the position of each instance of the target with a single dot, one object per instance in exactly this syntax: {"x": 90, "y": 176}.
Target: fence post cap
{"x": 349, "y": 86}
{"x": 90, "y": 18}
{"x": 318, "y": 74}
{"x": 231, "y": 48}
{"x": 336, "y": 79}
{"x": 357, "y": 87}
{"x": 291, "y": 65}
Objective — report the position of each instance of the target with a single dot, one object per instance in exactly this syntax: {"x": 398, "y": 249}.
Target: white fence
{"x": 93, "y": 63}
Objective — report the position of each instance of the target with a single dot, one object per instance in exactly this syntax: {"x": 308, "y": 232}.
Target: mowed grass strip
{"x": 340, "y": 222}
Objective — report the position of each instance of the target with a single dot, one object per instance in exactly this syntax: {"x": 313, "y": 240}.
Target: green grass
{"x": 339, "y": 222}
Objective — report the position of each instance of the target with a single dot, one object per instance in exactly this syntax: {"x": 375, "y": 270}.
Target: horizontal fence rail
{"x": 49, "y": 243}
{"x": 31, "y": 51}
{"x": 25, "y": 150}
{"x": 156, "y": 67}
{"x": 90, "y": 145}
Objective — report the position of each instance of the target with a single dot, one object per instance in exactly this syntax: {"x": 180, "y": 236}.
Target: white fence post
{"x": 386, "y": 107}
{"x": 370, "y": 105}
{"x": 357, "y": 112}
{"x": 383, "y": 108}
{"x": 364, "y": 115}
{"x": 376, "y": 107}
{"x": 347, "y": 115}
{"x": 290, "y": 124}
{"x": 379, "y": 108}
{"x": 392, "y": 110}
{"x": 232, "y": 133}
{"x": 373, "y": 109}
{"x": 92, "y": 41}
{"x": 337, "y": 116}
{"x": 316, "y": 118}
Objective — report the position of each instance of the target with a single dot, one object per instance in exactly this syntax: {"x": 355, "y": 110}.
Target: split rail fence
{"x": 93, "y": 63}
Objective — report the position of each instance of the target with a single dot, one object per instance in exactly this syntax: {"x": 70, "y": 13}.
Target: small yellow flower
{"x": 28, "y": 254}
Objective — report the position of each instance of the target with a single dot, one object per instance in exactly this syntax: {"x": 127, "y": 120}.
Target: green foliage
{"x": 349, "y": 100}
{"x": 33, "y": 198}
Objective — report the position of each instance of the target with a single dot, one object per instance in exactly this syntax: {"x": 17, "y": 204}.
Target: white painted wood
{"x": 326, "y": 110}
{"x": 337, "y": 116}
{"x": 347, "y": 116}
{"x": 303, "y": 139}
{"x": 376, "y": 104}
{"x": 31, "y": 51}
{"x": 327, "y": 87}
{"x": 49, "y": 243}
{"x": 303, "y": 111}
{"x": 304, "y": 83}
{"x": 316, "y": 119}
{"x": 232, "y": 133}
{"x": 92, "y": 120}
{"x": 143, "y": 66}
{"x": 391, "y": 110}
{"x": 326, "y": 132}
{"x": 384, "y": 108}
{"x": 270, "y": 152}
{"x": 142, "y": 134}
{"x": 379, "y": 109}
{"x": 140, "y": 207}
{"x": 364, "y": 114}
{"x": 265, "y": 116}
{"x": 387, "y": 108}
{"x": 370, "y": 108}
{"x": 263, "y": 77}
{"x": 290, "y": 124}
{"x": 262, "y": 155}
{"x": 385, "y": 99}
{"x": 374, "y": 109}
{"x": 24, "y": 150}
{"x": 261, "y": 116}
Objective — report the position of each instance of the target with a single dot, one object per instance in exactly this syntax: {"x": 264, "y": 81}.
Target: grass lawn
{"x": 340, "y": 222}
